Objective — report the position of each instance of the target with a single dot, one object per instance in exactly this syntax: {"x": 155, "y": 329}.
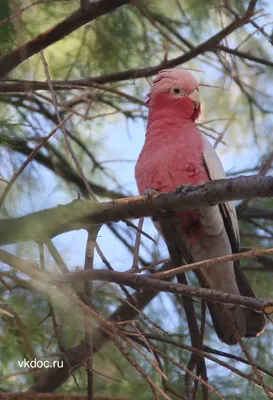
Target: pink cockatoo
{"x": 176, "y": 153}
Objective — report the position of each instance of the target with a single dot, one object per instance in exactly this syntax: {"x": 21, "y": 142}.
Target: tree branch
{"x": 79, "y": 214}
{"x": 255, "y": 212}
{"x": 29, "y": 86}
{"x": 60, "y": 167}
{"x": 139, "y": 281}
{"x": 50, "y": 281}
{"x": 54, "y": 377}
{"x": 79, "y": 18}
{"x": 241, "y": 54}
{"x": 53, "y": 396}
{"x": 13, "y": 59}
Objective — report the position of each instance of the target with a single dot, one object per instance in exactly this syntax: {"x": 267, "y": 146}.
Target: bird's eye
{"x": 177, "y": 90}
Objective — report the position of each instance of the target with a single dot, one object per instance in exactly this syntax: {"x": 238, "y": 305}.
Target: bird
{"x": 176, "y": 153}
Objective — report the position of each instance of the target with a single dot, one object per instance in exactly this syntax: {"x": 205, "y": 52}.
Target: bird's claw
{"x": 149, "y": 193}
{"x": 183, "y": 189}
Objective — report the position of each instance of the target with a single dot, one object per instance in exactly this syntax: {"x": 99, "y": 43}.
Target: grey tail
{"x": 247, "y": 322}
{"x": 226, "y": 320}
{"x": 255, "y": 321}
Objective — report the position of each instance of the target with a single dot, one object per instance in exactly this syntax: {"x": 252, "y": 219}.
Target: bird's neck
{"x": 168, "y": 123}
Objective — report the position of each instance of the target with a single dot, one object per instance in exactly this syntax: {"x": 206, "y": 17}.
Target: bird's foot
{"x": 149, "y": 193}
{"x": 183, "y": 189}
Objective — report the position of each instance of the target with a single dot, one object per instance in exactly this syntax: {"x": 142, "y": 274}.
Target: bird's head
{"x": 176, "y": 90}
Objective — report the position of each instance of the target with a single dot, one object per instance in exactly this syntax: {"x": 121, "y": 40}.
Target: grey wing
{"x": 255, "y": 322}
{"x": 216, "y": 171}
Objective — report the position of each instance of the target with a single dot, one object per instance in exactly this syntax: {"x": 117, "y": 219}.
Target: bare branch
{"x": 127, "y": 278}
{"x": 79, "y": 214}
{"x": 139, "y": 281}
{"x": 12, "y": 86}
{"x": 54, "y": 396}
{"x": 79, "y": 18}
{"x": 56, "y": 376}
{"x": 13, "y": 59}
{"x": 218, "y": 260}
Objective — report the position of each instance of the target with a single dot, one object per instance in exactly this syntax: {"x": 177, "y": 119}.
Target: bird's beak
{"x": 195, "y": 97}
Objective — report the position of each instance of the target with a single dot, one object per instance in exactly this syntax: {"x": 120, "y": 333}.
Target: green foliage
{"x": 7, "y": 31}
{"x": 127, "y": 40}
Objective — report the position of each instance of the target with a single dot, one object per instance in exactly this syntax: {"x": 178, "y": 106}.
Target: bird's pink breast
{"x": 170, "y": 159}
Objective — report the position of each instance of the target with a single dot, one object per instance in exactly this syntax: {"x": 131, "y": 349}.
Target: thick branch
{"x": 80, "y": 214}
{"x": 29, "y": 86}
{"x": 79, "y": 18}
{"x": 14, "y": 58}
{"x": 54, "y": 396}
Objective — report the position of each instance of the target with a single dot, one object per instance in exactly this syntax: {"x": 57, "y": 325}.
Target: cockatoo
{"x": 175, "y": 153}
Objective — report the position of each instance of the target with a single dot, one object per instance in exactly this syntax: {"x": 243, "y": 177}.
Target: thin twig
{"x": 66, "y": 138}
{"x": 138, "y": 281}
{"x": 135, "y": 267}
{"x": 218, "y": 260}
{"x": 31, "y": 157}
{"x": 88, "y": 289}
{"x": 155, "y": 388}
{"x": 267, "y": 390}
{"x": 205, "y": 353}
